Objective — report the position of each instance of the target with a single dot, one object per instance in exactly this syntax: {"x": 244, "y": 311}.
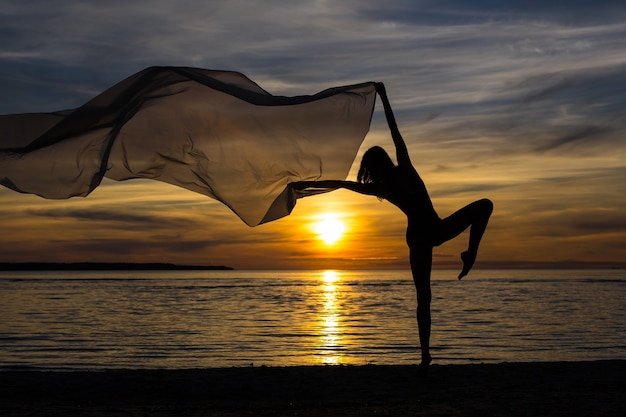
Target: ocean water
{"x": 195, "y": 319}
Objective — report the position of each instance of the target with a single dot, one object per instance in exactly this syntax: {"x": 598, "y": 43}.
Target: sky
{"x": 522, "y": 102}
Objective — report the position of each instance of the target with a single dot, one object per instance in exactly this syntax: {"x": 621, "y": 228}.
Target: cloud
{"x": 587, "y": 221}
{"x": 295, "y": 49}
{"x": 116, "y": 218}
{"x": 134, "y": 248}
{"x": 448, "y": 12}
{"x": 583, "y": 134}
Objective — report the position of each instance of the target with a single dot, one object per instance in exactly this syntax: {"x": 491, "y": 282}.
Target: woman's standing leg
{"x": 421, "y": 258}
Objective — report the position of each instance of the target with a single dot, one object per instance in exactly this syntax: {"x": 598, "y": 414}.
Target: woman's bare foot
{"x": 468, "y": 262}
{"x": 425, "y": 365}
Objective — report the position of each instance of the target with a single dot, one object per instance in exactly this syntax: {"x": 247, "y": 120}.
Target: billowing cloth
{"x": 213, "y": 132}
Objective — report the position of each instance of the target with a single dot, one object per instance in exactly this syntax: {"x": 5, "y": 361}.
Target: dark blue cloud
{"x": 453, "y": 12}
{"x": 170, "y": 246}
{"x": 117, "y": 219}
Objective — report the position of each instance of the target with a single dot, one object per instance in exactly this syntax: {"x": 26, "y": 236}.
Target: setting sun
{"x": 329, "y": 229}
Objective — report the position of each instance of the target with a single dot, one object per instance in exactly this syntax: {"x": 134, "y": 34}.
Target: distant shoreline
{"x": 106, "y": 266}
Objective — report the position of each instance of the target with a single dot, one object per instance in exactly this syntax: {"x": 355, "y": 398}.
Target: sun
{"x": 329, "y": 228}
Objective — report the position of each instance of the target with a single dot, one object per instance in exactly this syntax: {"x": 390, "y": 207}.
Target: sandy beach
{"x": 508, "y": 389}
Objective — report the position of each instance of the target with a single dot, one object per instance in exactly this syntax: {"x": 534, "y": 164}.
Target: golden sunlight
{"x": 330, "y": 319}
{"x": 330, "y": 277}
{"x": 329, "y": 228}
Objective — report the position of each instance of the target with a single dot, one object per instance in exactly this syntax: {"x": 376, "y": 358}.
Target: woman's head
{"x": 376, "y": 166}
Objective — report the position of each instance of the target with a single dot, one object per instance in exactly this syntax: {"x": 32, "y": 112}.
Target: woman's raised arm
{"x": 402, "y": 153}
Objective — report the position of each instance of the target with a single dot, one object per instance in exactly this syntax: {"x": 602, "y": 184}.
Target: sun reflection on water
{"x": 331, "y": 343}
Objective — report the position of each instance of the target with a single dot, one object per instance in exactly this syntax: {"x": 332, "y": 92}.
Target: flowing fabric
{"x": 213, "y": 132}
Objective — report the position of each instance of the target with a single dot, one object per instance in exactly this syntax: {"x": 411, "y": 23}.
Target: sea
{"x": 100, "y": 320}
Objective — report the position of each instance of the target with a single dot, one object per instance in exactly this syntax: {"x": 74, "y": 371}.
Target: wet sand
{"x": 509, "y": 389}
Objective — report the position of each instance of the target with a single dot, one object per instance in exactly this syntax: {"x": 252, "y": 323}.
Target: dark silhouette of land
{"x": 105, "y": 266}
{"x": 573, "y": 389}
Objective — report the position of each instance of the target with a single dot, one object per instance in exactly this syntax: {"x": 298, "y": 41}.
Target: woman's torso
{"x": 408, "y": 192}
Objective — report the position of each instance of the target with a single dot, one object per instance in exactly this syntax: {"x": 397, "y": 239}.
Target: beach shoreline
{"x": 512, "y": 389}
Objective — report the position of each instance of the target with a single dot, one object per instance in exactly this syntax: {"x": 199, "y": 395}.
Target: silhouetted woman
{"x": 402, "y": 186}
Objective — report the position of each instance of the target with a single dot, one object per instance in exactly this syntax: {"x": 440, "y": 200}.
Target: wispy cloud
{"x": 116, "y": 218}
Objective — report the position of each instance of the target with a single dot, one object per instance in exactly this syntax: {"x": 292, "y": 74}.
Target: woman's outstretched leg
{"x": 421, "y": 263}
{"x": 476, "y": 216}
